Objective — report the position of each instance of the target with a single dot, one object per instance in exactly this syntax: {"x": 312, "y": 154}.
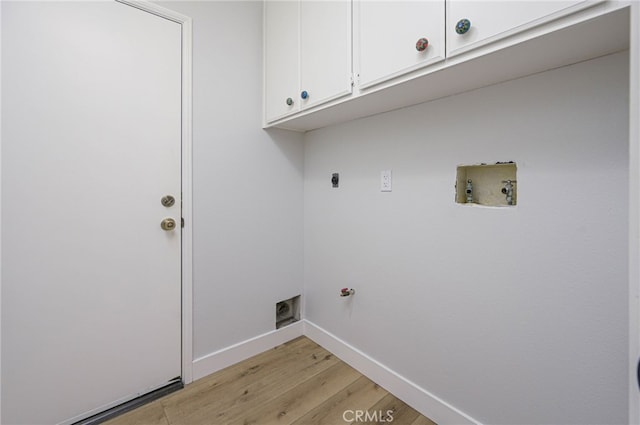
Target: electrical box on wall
{"x": 493, "y": 185}
{"x": 287, "y": 311}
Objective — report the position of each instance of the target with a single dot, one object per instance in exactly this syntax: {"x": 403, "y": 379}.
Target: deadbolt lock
{"x": 168, "y": 201}
{"x": 168, "y": 224}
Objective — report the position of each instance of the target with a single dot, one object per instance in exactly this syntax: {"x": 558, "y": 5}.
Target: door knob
{"x": 168, "y": 224}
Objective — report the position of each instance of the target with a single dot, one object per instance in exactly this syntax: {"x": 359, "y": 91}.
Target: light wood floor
{"x": 297, "y": 383}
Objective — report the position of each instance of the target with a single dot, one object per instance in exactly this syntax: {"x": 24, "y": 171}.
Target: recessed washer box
{"x": 493, "y": 185}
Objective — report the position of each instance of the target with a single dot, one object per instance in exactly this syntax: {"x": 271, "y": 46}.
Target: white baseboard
{"x": 423, "y": 401}
{"x": 218, "y": 360}
{"x": 426, "y": 403}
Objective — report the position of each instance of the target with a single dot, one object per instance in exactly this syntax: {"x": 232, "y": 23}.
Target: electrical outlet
{"x": 385, "y": 181}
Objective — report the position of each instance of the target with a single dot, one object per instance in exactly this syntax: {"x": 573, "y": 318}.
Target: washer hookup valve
{"x": 345, "y": 292}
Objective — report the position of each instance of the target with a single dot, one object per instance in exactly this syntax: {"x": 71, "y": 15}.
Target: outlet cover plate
{"x": 385, "y": 181}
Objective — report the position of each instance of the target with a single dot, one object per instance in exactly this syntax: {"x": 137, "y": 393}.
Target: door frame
{"x": 187, "y": 181}
{"x": 186, "y": 185}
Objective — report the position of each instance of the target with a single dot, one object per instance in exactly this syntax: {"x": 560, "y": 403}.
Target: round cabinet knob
{"x": 422, "y": 44}
{"x": 304, "y": 94}
{"x": 463, "y": 26}
{"x": 289, "y": 101}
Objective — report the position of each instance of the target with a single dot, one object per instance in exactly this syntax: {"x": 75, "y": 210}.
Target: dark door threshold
{"x": 174, "y": 385}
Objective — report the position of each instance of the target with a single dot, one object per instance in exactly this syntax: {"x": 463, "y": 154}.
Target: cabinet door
{"x": 492, "y": 20}
{"x": 387, "y": 33}
{"x": 325, "y": 50}
{"x": 281, "y": 59}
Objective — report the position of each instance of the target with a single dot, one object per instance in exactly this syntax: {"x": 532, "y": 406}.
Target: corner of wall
{"x": 221, "y": 359}
{"x": 420, "y": 399}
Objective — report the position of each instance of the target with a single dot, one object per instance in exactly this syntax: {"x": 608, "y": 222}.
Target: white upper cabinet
{"x": 325, "y": 50}
{"x": 307, "y": 59}
{"x": 396, "y": 37}
{"x": 328, "y": 61}
{"x": 281, "y": 46}
{"x": 471, "y": 24}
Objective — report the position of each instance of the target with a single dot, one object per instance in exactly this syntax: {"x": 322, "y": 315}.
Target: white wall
{"x": 514, "y": 315}
{"x": 247, "y": 182}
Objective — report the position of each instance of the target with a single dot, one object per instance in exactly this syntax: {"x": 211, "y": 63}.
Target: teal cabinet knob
{"x": 304, "y": 94}
{"x": 422, "y": 44}
{"x": 289, "y": 101}
{"x": 463, "y": 26}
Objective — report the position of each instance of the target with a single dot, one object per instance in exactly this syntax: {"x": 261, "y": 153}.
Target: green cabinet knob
{"x": 463, "y": 26}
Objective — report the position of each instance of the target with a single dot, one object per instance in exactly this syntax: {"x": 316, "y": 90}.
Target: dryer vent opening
{"x": 287, "y": 311}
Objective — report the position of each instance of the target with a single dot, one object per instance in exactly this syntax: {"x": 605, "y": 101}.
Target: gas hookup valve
{"x": 345, "y": 292}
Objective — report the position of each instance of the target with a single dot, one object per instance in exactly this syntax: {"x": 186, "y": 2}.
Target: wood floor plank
{"x": 391, "y": 409}
{"x": 253, "y": 385}
{"x": 254, "y": 368}
{"x": 270, "y": 359}
{"x": 149, "y": 414}
{"x": 211, "y": 392}
{"x": 297, "y": 383}
{"x": 295, "y": 403}
{"x": 360, "y": 395}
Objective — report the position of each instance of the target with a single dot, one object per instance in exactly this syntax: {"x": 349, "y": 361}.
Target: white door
{"x": 91, "y": 127}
